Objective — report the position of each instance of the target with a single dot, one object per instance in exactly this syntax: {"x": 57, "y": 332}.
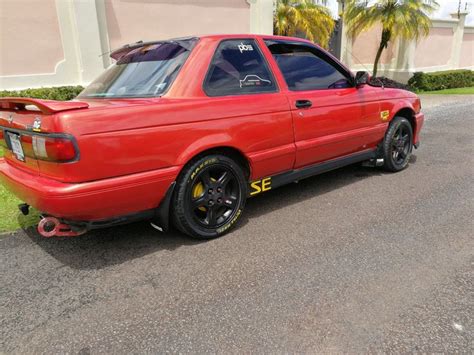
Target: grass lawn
{"x": 10, "y": 217}
{"x": 458, "y": 91}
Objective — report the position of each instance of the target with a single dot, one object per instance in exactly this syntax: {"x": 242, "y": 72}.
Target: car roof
{"x": 247, "y": 35}
{"x": 219, "y": 37}
{"x": 118, "y": 52}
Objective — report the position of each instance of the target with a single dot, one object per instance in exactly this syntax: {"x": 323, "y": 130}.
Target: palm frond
{"x": 292, "y": 17}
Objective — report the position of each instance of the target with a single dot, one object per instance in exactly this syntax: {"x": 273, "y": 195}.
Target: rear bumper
{"x": 420, "y": 119}
{"x": 89, "y": 201}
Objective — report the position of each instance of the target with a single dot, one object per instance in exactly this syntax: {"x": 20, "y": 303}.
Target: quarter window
{"x": 238, "y": 67}
{"x": 305, "y": 68}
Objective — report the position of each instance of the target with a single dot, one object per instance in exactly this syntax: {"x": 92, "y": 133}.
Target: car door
{"x": 244, "y": 95}
{"x": 331, "y": 116}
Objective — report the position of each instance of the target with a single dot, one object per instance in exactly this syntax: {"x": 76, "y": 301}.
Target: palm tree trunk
{"x": 383, "y": 44}
{"x": 377, "y": 58}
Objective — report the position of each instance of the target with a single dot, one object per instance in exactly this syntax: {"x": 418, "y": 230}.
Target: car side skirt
{"x": 271, "y": 182}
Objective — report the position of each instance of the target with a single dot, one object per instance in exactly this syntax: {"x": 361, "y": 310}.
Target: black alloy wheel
{"x": 398, "y": 144}
{"x": 209, "y": 197}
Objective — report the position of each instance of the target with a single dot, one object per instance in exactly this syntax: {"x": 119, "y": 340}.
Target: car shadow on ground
{"x": 106, "y": 247}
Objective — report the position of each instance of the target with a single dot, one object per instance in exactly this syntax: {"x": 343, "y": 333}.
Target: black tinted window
{"x": 238, "y": 67}
{"x": 304, "y": 69}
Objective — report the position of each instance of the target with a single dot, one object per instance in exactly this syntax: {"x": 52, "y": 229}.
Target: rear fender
{"x": 214, "y": 141}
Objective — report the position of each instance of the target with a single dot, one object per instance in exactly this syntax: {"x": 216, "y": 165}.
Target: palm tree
{"x": 407, "y": 19}
{"x": 303, "y": 16}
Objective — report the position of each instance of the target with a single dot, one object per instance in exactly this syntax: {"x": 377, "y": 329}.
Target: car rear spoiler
{"x": 45, "y": 106}
{"x": 185, "y": 42}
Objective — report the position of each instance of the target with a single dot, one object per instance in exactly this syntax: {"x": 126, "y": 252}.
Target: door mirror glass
{"x": 361, "y": 78}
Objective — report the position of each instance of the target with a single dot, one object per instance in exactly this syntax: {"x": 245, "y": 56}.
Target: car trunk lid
{"x": 24, "y": 119}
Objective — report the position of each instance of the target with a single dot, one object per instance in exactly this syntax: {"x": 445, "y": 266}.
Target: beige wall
{"x": 434, "y": 50}
{"x": 132, "y": 20}
{"x": 365, "y": 46}
{"x": 60, "y": 42}
{"x": 30, "y": 40}
{"x": 449, "y": 45}
{"x": 467, "y": 50}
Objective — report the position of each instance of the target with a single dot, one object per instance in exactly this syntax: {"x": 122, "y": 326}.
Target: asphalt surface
{"x": 355, "y": 260}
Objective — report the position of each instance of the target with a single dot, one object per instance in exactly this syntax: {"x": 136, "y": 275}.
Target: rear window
{"x": 146, "y": 71}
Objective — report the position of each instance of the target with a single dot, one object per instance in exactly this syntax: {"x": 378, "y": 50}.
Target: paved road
{"x": 355, "y": 260}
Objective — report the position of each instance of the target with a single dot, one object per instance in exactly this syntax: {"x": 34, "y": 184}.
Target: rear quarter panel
{"x": 169, "y": 132}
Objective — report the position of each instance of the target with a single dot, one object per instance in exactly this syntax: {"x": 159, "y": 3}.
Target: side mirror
{"x": 361, "y": 78}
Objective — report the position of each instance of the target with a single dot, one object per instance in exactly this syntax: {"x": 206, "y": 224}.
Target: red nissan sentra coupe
{"x": 185, "y": 130}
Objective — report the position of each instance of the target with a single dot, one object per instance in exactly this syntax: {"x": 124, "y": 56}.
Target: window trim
{"x": 265, "y": 61}
{"x": 321, "y": 54}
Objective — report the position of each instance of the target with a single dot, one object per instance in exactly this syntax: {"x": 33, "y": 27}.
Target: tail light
{"x": 58, "y": 149}
{"x": 54, "y": 149}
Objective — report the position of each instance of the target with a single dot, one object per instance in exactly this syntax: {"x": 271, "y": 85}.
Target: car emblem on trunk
{"x": 10, "y": 118}
{"x": 37, "y": 124}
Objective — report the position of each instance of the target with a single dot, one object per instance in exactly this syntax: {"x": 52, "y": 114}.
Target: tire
{"x": 397, "y": 145}
{"x": 209, "y": 197}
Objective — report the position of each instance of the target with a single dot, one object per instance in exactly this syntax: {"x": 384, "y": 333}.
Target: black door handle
{"x": 303, "y": 103}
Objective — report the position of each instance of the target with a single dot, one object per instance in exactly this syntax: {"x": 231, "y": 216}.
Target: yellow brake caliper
{"x": 198, "y": 190}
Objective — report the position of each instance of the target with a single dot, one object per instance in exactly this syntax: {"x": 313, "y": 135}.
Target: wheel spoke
{"x": 224, "y": 179}
{"x": 211, "y": 217}
{"x": 395, "y": 155}
{"x": 199, "y": 202}
{"x": 206, "y": 179}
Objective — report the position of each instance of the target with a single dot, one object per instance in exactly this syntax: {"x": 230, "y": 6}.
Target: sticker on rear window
{"x": 245, "y": 47}
{"x": 254, "y": 80}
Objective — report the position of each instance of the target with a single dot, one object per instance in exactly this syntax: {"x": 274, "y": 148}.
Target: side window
{"x": 238, "y": 67}
{"x": 305, "y": 69}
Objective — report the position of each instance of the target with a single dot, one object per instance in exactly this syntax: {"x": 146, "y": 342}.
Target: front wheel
{"x": 398, "y": 145}
{"x": 210, "y": 197}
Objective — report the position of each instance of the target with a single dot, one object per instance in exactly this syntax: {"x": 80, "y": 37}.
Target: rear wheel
{"x": 210, "y": 197}
{"x": 398, "y": 145}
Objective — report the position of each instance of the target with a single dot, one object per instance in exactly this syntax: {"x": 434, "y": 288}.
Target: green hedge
{"x": 442, "y": 80}
{"x": 61, "y": 93}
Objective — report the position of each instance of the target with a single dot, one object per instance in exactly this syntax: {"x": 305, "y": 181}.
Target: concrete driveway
{"x": 355, "y": 260}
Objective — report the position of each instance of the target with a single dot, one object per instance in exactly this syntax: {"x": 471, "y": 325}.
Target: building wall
{"x": 130, "y": 21}
{"x": 365, "y": 46}
{"x": 449, "y": 45}
{"x": 467, "y": 49}
{"x": 62, "y": 42}
{"x": 34, "y": 48}
{"x": 434, "y": 50}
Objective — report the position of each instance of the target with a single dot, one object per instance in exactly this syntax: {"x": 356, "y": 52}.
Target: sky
{"x": 446, "y": 7}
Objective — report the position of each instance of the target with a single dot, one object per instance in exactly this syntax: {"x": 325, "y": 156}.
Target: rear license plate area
{"x": 15, "y": 145}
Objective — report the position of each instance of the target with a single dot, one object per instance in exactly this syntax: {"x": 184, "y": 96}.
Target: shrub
{"x": 442, "y": 80}
{"x": 60, "y": 93}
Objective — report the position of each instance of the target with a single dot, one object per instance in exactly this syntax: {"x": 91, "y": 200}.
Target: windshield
{"x": 146, "y": 71}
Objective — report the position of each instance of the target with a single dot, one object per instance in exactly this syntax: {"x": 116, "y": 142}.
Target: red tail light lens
{"x": 58, "y": 149}
{"x": 53, "y": 149}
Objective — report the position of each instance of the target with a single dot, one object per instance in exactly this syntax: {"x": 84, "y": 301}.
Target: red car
{"x": 185, "y": 130}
